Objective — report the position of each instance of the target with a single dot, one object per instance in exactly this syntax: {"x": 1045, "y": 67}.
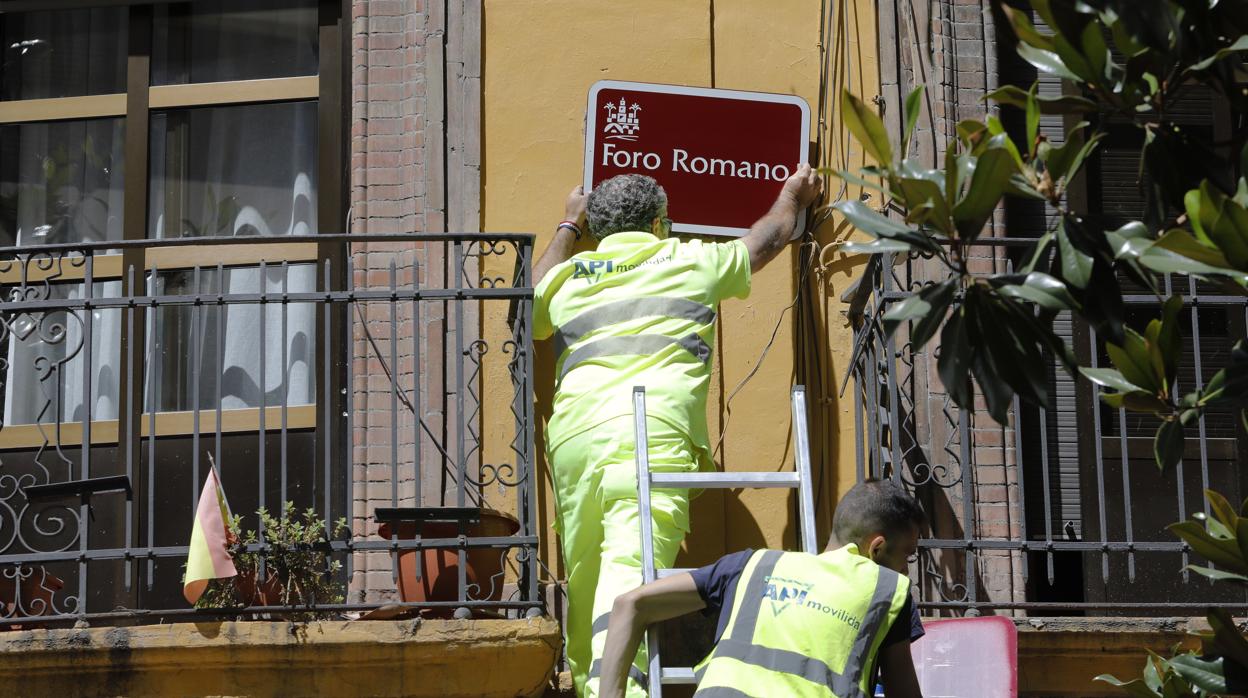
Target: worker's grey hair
{"x": 624, "y": 203}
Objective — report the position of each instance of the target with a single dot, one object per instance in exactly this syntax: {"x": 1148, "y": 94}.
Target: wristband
{"x": 570, "y": 225}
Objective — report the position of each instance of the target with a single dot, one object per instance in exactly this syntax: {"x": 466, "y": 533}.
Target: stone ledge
{"x": 1060, "y": 656}
{"x": 263, "y": 658}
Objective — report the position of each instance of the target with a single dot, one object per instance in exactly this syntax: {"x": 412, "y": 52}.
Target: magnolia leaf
{"x": 865, "y": 124}
{"x": 1241, "y": 44}
{"x": 1206, "y": 674}
{"x": 1216, "y": 574}
{"x": 914, "y": 104}
{"x": 1109, "y": 378}
{"x": 876, "y": 246}
{"x": 988, "y": 183}
{"x": 1065, "y": 104}
{"x": 1168, "y": 445}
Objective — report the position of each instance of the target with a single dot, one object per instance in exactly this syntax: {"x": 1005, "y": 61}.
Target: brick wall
{"x": 968, "y": 479}
{"x": 415, "y": 142}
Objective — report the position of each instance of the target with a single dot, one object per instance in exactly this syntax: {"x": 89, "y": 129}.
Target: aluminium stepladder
{"x": 799, "y": 479}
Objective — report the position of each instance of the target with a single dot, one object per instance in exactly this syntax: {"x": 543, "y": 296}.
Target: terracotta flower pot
{"x": 267, "y": 593}
{"x": 440, "y": 578}
{"x": 28, "y": 595}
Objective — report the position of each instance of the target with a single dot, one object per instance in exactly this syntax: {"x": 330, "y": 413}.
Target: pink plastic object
{"x": 962, "y": 657}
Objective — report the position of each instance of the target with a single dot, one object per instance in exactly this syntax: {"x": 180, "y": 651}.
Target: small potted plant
{"x": 433, "y": 574}
{"x": 27, "y": 591}
{"x": 297, "y": 570}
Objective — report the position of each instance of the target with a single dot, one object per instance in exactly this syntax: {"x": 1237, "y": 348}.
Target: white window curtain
{"x": 190, "y": 347}
{"x": 47, "y": 355}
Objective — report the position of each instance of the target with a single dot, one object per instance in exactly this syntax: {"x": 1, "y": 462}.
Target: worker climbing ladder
{"x": 798, "y": 478}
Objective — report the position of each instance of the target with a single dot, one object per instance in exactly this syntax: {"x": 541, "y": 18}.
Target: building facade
{"x": 251, "y": 229}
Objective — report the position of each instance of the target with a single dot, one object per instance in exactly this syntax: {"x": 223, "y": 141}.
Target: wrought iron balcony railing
{"x": 380, "y": 379}
{"x": 1062, "y": 510}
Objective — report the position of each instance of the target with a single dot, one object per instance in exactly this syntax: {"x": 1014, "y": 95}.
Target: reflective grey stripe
{"x": 881, "y": 600}
{"x": 788, "y": 662}
{"x": 601, "y": 623}
{"x": 722, "y": 692}
{"x": 595, "y": 671}
{"x": 634, "y": 344}
{"x": 629, "y": 309}
{"x": 747, "y": 613}
{"x": 740, "y": 646}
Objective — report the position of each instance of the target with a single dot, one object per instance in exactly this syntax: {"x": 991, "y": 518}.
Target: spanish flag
{"x": 208, "y": 557}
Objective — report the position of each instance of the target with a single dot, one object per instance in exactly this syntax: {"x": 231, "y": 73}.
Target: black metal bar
{"x": 1020, "y": 471}
{"x": 1045, "y": 467}
{"x": 131, "y": 430}
{"x": 461, "y": 457}
{"x": 327, "y": 386}
{"x": 155, "y": 376}
{"x": 84, "y": 509}
{"x": 968, "y": 499}
{"x": 79, "y": 488}
{"x": 220, "y": 375}
{"x": 1200, "y": 384}
{"x": 285, "y": 387}
{"x": 528, "y": 495}
{"x": 195, "y": 372}
{"x": 1100, "y": 460}
{"x": 346, "y": 238}
{"x": 427, "y": 514}
{"x": 261, "y": 465}
{"x": 393, "y": 332}
{"x": 349, "y": 407}
{"x": 1001, "y": 544}
{"x": 174, "y": 551}
{"x": 255, "y": 298}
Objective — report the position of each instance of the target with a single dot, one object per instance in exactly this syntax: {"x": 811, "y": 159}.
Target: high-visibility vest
{"x": 638, "y": 310}
{"x": 804, "y": 625}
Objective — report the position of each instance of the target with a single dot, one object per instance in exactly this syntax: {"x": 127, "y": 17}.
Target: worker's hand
{"x": 804, "y": 187}
{"x": 574, "y": 209}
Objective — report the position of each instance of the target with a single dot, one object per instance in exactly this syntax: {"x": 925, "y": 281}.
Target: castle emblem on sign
{"x": 622, "y": 121}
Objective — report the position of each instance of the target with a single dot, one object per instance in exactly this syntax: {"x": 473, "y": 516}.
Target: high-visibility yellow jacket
{"x": 804, "y": 625}
{"x": 639, "y": 310}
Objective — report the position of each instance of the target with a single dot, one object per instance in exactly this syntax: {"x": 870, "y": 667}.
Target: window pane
{"x": 63, "y": 53}
{"x": 242, "y": 170}
{"x": 210, "y": 344}
{"x": 221, "y": 40}
{"x": 46, "y": 354}
{"x": 61, "y": 181}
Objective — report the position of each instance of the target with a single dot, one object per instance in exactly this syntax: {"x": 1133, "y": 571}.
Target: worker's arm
{"x": 632, "y": 613}
{"x": 771, "y": 233}
{"x": 897, "y": 671}
{"x": 560, "y": 248}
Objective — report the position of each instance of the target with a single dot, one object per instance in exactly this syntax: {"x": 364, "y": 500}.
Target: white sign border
{"x": 591, "y": 130}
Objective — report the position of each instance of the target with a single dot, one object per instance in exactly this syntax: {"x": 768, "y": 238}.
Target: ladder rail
{"x": 655, "y": 673}
{"x": 799, "y": 479}
{"x": 801, "y": 458}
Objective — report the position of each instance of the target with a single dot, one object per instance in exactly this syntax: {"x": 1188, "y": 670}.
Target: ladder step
{"x": 727, "y": 481}
{"x": 672, "y": 572}
{"x": 678, "y": 675}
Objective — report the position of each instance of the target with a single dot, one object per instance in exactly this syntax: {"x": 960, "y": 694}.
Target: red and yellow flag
{"x": 208, "y": 557}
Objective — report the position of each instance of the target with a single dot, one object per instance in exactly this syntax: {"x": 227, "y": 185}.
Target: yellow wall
{"x": 540, "y": 58}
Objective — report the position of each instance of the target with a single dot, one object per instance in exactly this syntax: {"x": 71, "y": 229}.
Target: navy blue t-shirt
{"x": 717, "y": 585}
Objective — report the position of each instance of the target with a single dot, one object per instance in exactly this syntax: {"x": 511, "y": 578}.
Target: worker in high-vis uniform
{"x": 637, "y": 311}
{"x": 796, "y": 624}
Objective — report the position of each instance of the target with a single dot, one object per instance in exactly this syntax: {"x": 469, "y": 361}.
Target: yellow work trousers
{"x": 595, "y": 475}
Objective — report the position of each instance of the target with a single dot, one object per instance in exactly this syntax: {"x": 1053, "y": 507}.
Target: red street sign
{"x": 722, "y": 155}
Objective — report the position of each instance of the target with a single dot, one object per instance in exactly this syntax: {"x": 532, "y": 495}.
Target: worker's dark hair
{"x": 624, "y": 203}
{"x": 875, "y": 506}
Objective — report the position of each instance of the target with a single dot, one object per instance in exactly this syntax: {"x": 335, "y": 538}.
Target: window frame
{"x": 135, "y": 106}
